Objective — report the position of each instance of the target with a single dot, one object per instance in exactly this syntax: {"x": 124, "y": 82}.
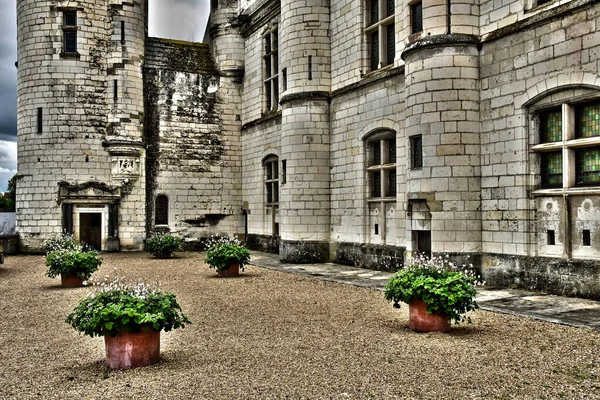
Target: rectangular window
{"x": 550, "y": 238}
{"x": 40, "y": 120}
{"x": 380, "y": 33}
{"x": 552, "y": 171}
{"x": 376, "y": 153}
{"x": 115, "y": 90}
{"x": 376, "y": 184}
{"x": 69, "y": 32}
{"x": 551, "y": 126}
{"x": 283, "y": 171}
{"x": 587, "y": 166}
{"x": 416, "y": 17}
{"x": 284, "y": 79}
{"x": 70, "y": 18}
{"x": 391, "y": 151}
{"x": 587, "y": 120}
{"x": 272, "y": 180}
{"x": 390, "y": 43}
{"x": 416, "y": 154}
{"x": 392, "y": 183}
{"x": 123, "y": 32}
{"x": 271, "y": 62}
{"x": 374, "y": 50}
{"x": 587, "y": 237}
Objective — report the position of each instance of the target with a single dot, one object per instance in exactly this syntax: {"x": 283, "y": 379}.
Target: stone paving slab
{"x": 556, "y": 309}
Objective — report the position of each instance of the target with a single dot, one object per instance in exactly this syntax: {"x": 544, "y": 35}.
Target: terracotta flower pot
{"x": 71, "y": 281}
{"x": 131, "y": 350}
{"x": 231, "y": 270}
{"x": 421, "y": 321}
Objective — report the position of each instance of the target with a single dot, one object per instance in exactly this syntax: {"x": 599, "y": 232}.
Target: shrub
{"x": 115, "y": 306}
{"x": 223, "y": 251}
{"x": 72, "y": 262}
{"x": 444, "y": 287}
{"x": 163, "y": 245}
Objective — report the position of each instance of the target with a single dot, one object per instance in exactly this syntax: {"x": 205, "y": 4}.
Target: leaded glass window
{"x": 587, "y": 166}
{"x": 551, "y": 126}
{"x": 69, "y": 32}
{"x": 552, "y": 171}
{"x": 587, "y": 120}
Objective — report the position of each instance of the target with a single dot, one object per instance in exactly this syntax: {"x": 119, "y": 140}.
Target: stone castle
{"x": 356, "y": 131}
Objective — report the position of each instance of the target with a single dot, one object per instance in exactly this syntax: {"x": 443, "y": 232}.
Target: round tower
{"x": 442, "y": 128}
{"x": 80, "y": 128}
{"x": 305, "y": 76}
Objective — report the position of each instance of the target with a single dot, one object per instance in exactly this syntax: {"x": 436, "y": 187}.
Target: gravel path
{"x": 271, "y": 335}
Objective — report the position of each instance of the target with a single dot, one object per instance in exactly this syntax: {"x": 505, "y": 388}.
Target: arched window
{"x": 161, "y": 210}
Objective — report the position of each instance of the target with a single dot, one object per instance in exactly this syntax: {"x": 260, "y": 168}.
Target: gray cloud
{"x": 8, "y": 72}
{"x": 181, "y": 19}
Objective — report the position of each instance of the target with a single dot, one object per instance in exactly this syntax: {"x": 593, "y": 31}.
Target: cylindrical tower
{"x": 442, "y": 128}
{"x": 80, "y": 104}
{"x": 305, "y": 71}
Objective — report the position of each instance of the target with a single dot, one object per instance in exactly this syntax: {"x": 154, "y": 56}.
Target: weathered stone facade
{"x": 359, "y": 131}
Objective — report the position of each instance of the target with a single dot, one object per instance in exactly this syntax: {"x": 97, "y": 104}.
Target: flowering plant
{"x": 163, "y": 245}
{"x": 224, "y": 250}
{"x": 72, "y": 261}
{"x": 63, "y": 241}
{"x": 443, "y": 286}
{"x": 114, "y": 306}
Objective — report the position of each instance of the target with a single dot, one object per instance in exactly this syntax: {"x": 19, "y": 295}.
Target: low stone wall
{"x": 574, "y": 278}
{"x": 377, "y": 257}
{"x": 264, "y": 243}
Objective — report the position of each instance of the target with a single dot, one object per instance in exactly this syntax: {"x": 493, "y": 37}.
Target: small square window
{"x": 416, "y": 17}
{"x": 70, "y": 18}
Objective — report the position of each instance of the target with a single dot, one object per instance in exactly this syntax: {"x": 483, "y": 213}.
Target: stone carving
{"x": 122, "y": 166}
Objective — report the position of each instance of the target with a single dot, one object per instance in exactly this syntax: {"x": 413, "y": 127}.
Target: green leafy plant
{"x": 163, "y": 245}
{"x": 115, "y": 306}
{"x": 72, "y": 262}
{"x": 444, "y": 287}
{"x": 224, "y": 251}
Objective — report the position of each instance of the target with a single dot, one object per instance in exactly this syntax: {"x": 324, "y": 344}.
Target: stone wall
{"x": 195, "y": 158}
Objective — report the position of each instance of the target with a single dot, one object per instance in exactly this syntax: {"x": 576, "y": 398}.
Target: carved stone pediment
{"x": 88, "y": 191}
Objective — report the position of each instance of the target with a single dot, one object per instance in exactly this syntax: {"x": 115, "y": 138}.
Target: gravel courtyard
{"x": 269, "y": 335}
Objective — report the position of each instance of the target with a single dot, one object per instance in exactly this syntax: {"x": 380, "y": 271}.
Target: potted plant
{"x": 436, "y": 290}
{"x": 67, "y": 259}
{"x": 130, "y": 317}
{"x": 227, "y": 255}
{"x": 163, "y": 245}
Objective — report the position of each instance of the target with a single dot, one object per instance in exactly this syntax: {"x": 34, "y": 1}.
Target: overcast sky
{"x": 175, "y": 19}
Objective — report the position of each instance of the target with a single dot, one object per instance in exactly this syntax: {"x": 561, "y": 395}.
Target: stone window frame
{"x": 381, "y": 29}
{"x": 569, "y": 147}
{"x": 271, "y": 68}
{"x": 416, "y": 152}
{"x": 380, "y": 147}
{"x": 416, "y": 26}
{"x": 159, "y": 198}
{"x": 272, "y": 185}
{"x": 69, "y": 29}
